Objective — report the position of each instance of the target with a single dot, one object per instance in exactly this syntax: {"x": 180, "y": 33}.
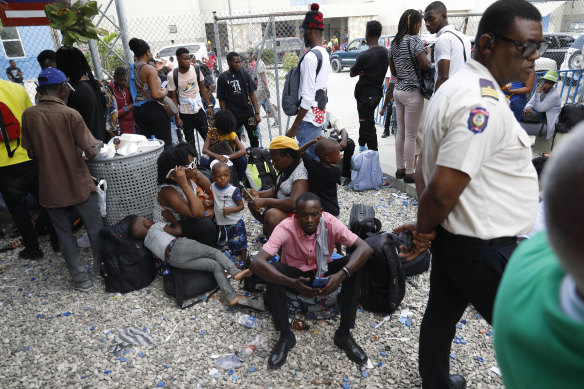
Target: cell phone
{"x": 320, "y": 282}
{"x": 164, "y": 84}
{"x": 170, "y": 174}
{"x": 247, "y": 192}
{"x": 406, "y": 239}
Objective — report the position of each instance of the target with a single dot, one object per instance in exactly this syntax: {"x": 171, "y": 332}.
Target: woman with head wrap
{"x": 279, "y": 202}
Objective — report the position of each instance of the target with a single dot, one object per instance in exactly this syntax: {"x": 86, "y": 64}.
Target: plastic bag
{"x": 101, "y": 195}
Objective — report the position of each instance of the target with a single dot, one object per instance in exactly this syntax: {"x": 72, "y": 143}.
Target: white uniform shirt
{"x": 310, "y": 83}
{"x": 470, "y": 127}
{"x": 448, "y": 47}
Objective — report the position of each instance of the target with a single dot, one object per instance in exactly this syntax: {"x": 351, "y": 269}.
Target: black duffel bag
{"x": 570, "y": 116}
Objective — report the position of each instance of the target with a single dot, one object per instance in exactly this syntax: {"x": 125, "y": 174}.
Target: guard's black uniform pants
{"x": 464, "y": 270}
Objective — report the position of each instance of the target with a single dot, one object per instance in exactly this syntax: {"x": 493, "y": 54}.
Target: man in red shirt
{"x": 306, "y": 253}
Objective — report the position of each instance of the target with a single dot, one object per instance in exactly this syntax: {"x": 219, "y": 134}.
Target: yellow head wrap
{"x": 283, "y": 142}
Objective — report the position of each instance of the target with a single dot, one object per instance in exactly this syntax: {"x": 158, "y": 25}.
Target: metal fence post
{"x": 95, "y": 56}
{"x": 128, "y": 55}
{"x": 217, "y": 42}
{"x": 278, "y": 97}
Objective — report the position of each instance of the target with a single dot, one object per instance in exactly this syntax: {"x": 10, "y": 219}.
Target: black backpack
{"x": 185, "y": 284}
{"x": 570, "y": 116}
{"x": 260, "y": 157}
{"x": 126, "y": 264}
{"x": 362, "y": 220}
{"x": 382, "y": 278}
{"x": 418, "y": 265}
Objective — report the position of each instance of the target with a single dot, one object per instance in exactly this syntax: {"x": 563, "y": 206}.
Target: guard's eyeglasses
{"x": 528, "y": 47}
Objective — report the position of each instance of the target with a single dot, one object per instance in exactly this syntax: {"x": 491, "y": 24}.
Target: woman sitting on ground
{"x": 546, "y": 101}
{"x": 279, "y": 202}
{"x": 223, "y": 144}
{"x": 183, "y": 192}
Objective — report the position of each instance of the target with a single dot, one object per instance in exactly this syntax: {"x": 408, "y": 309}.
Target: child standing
{"x": 228, "y": 206}
{"x": 165, "y": 242}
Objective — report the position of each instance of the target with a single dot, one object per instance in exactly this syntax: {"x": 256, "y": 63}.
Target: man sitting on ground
{"x": 306, "y": 253}
{"x": 539, "y": 310}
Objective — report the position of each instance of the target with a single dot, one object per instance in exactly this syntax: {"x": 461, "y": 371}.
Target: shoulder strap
{"x": 175, "y": 79}
{"x": 198, "y": 71}
{"x": 5, "y": 138}
{"x": 319, "y": 58}
{"x": 457, "y": 37}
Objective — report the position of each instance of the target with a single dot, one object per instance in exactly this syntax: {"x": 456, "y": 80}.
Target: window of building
{"x": 11, "y": 42}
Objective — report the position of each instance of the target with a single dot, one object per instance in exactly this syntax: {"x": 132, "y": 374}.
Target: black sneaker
{"x": 30, "y": 253}
{"x": 385, "y": 133}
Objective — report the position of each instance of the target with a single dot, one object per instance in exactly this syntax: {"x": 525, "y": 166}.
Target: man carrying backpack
{"x": 186, "y": 87}
{"x": 313, "y": 83}
{"x": 18, "y": 174}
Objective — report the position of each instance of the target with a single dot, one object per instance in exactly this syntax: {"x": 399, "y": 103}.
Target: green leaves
{"x": 74, "y": 21}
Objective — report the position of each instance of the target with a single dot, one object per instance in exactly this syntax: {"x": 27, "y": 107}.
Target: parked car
{"x": 348, "y": 56}
{"x": 559, "y": 43}
{"x": 283, "y": 46}
{"x": 573, "y": 56}
{"x": 199, "y": 49}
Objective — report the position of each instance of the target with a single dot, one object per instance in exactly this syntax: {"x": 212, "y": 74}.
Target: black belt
{"x": 476, "y": 241}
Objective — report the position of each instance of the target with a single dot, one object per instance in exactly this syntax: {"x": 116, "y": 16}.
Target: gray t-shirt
{"x": 406, "y": 65}
{"x": 157, "y": 240}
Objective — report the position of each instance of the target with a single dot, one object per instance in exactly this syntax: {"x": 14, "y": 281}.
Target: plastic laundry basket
{"x": 131, "y": 183}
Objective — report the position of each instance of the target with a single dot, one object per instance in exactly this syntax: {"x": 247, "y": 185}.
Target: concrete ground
{"x": 342, "y": 104}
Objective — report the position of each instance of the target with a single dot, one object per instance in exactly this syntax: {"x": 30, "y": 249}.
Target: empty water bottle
{"x": 245, "y": 320}
{"x": 248, "y": 350}
{"x": 229, "y": 362}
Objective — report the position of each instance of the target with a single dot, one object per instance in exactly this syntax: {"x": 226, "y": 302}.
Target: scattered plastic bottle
{"x": 229, "y": 362}
{"x": 248, "y": 350}
{"x": 298, "y": 324}
{"x": 13, "y": 244}
{"x": 245, "y": 320}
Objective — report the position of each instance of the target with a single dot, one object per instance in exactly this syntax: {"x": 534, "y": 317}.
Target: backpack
{"x": 9, "y": 128}
{"x": 126, "y": 264}
{"x": 366, "y": 171}
{"x": 185, "y": 284}
{"x": 362, "y": 220}
{"x": 383, "y": 283}
{"x": 418, "y": 265}
{"x": 570, "y": 116}
{"x": 290, "y": 98}
{"x": 261, "y": 160}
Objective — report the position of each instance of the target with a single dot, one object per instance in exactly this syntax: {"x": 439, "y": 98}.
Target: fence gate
{"x": 276, "y": 40}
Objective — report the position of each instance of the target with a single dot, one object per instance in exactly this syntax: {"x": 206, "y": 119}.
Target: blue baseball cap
{"x": 51, "y": 76}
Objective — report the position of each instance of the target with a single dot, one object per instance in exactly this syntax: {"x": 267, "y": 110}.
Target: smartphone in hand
{"x": 320, "y": 282}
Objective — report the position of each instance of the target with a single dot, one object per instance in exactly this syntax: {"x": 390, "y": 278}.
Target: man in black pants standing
{"x": 477, "y": 187}
{"x": 299, "y": 237}
{"x": 236, "y": 93}
{"x": 371, "y": 66}
{"x": 187, "y": 96}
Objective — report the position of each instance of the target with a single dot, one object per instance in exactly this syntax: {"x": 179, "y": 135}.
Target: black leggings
{"x": 202, "y": 230}
{"x": 152, "y": 120}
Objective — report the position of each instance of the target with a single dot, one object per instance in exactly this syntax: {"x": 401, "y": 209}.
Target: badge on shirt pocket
{"x": 478, "y": 119}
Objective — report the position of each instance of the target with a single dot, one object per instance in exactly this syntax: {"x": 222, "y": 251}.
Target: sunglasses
{"x": 191, "y": 165}
{"x": 528, "y": 47}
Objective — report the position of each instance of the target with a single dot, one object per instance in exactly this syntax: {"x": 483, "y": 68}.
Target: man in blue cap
{"x": 55, "y": 135}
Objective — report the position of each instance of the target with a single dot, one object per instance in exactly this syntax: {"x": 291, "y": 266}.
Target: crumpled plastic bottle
{"x": 245, "y": 320}
{"x": 228, "y": 362}
{"x": 248, "y": 350}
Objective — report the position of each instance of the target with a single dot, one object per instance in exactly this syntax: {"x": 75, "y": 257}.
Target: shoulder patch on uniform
{"x": 477, "y": 120}
{"x": 488, "y": 89}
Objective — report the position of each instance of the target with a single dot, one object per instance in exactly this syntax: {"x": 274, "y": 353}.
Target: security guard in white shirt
{"x": 477, "y": 187}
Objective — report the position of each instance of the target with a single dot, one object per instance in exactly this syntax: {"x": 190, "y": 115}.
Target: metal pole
{"x": 277, "y": 79}
{"x": 95, "y": 56}
{"x": 217, "y": 42}
{"x": 128, "y": 55}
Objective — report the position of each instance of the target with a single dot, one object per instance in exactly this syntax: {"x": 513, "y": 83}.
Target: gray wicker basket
{"x": 131, "y": 183}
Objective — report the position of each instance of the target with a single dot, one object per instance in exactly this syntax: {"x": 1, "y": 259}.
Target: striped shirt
{"x": 406, "y": 65}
